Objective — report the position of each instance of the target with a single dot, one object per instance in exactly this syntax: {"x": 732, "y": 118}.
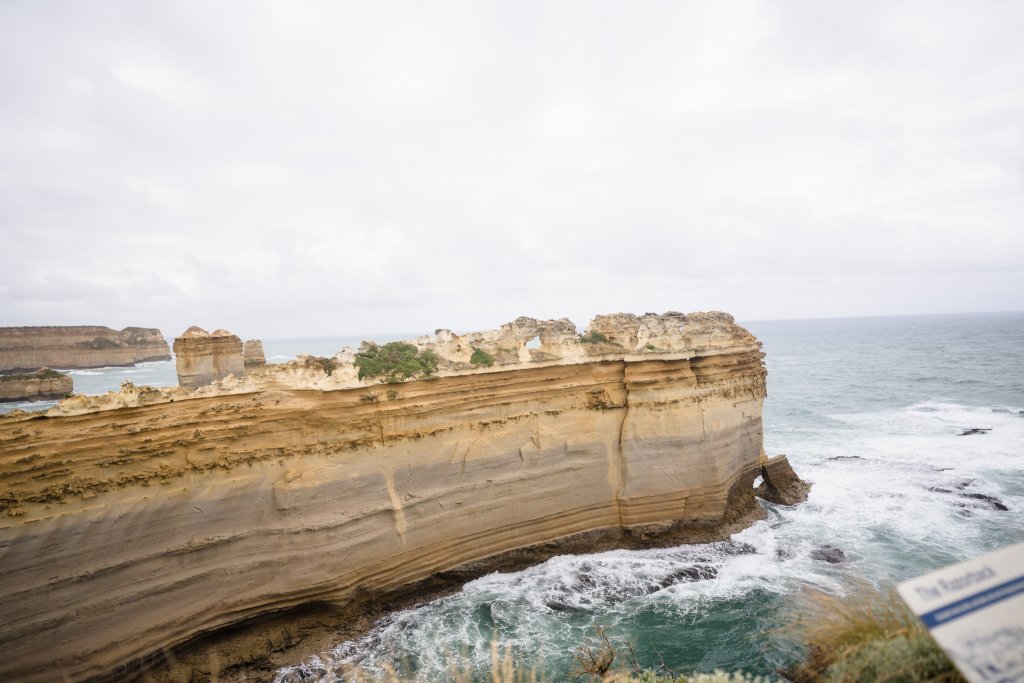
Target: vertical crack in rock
{"x": 620, "y": 458}
{"x": 396, "y": 503}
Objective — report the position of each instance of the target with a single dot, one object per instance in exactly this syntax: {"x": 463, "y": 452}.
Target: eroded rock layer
{"x": 136, "y": 528}
{"x": 82, "y": 346}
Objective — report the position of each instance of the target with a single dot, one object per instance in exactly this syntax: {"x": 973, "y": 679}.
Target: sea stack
{"x": 81, "y": 346}
{"x": 42, "y": 385}
{"x": 204, "y": 357}
{"x": 252, "y": 354}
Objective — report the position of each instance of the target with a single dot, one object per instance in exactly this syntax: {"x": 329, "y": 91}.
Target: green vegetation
{"x": 396, "y": 362}
{"x": 593, "y": 337}
{"x": 44, "y": 373}
{"x": 481, "y": 357}
{"x": 650, "y": 347}
{"x": 865, "y": 637}
{"x": 98, "y": 343}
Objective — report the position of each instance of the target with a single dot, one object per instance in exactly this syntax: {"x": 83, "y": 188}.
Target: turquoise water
{"x": 870, "y": 410}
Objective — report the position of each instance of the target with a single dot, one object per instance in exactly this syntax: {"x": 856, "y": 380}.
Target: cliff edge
{"x": 149, "y": 525}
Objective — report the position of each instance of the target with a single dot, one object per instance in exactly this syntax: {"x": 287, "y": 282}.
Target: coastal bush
{"x": 481, "y": 357}
{"x": 328, "y": 365}
{"x": 593, "y": 337}
{"x": 866, "y": 636}
{"x": 396, "y": 362}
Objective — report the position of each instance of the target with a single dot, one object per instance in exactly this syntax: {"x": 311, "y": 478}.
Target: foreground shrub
{"x": 865, "y": 637}
{"x": 396, "y": 362}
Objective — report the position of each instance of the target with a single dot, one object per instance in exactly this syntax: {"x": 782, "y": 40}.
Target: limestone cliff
{"x": 203, "y": 357}
{"x": 151, "y": 518}
{"x": 83, "y": 346}
{"x": 42, "y": 385}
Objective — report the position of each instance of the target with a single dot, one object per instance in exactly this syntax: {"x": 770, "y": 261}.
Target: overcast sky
{"x": 292, "y": 169}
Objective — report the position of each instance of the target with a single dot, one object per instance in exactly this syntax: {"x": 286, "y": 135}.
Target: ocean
{"x": 870, "y": 410}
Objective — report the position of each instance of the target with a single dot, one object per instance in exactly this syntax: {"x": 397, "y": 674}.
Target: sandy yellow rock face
{"x": 134, "y": 528}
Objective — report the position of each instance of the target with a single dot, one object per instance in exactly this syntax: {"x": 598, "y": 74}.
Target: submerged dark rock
{"x": 845, "y": 457}
{"x": 828, "y": 553}
{"x": 975, "y": 430}
{"x": 735, "y": 548}
{"x": 988, "y": 501}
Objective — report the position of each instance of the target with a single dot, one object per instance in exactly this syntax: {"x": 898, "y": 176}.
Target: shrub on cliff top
{"x": 328, "y": 365}
{"x": 593, "y": 338}
{"x": 481, "y": 357}
{"x": 396, "y": 362}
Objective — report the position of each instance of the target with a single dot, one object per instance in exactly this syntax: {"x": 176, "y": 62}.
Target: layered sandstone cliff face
{"x": 252, "y": 354}
{"x": 42, "y": 385}
{"x": 82, "y": 346}
{"x": 150, "y": 517}
{"x": 204, "y": 357}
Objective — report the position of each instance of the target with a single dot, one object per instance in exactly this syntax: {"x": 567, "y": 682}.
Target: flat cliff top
{"x": 520, "y": 344}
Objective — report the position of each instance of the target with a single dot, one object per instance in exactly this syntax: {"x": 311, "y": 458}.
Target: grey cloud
{"x": 292, "y": 168}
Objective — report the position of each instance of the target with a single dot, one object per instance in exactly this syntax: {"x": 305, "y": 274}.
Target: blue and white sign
{"x": 975, "y": 611}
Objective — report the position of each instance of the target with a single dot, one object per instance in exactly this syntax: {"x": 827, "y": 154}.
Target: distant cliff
{"x": 82, "y": 346}
{"x": 42, "y": 385}
{"x": 151, "y": 519}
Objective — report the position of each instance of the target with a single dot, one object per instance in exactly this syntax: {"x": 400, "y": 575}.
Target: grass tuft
{"x": 865, "y": 637}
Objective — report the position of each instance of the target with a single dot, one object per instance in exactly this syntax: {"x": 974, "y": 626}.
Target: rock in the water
{"x": 828, "y": 553}
{"x": 781, "y": 485}
{"x": 989, "y": 501}
{"x": 252, "y": 353}
{"x": 42, "y": 385}
{"x": 697, "y": 572}
{"x": 203, "y": 357}
{"x": 975, "y": 430}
